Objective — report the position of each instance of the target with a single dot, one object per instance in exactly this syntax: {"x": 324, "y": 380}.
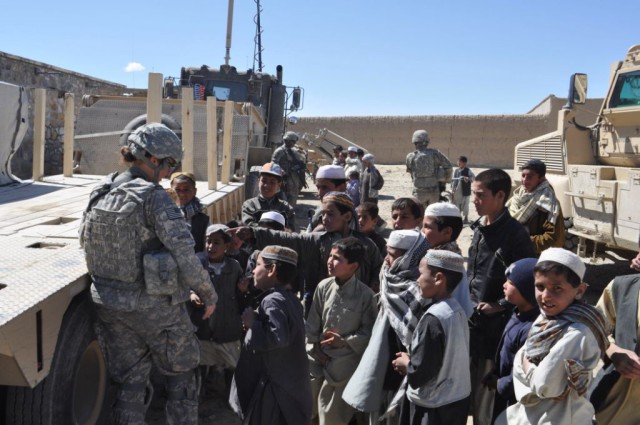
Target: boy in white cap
{"x": 441, "y": 226}
{"x": 552, "y": 371}
{"x": 371, "y": 180}
{"x": 352, "y": 163}
{"x": 401, "y": 305}
{"x": 269, "y": 184}
{"x": 329, "y": 178}
{"x": 436, "y": 367}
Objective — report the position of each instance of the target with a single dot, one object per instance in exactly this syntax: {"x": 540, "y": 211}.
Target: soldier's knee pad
{"x": 182, "y": 387}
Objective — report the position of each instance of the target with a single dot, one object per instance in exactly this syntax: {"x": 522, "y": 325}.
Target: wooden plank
{"x": 69, "y": 115}
{"x": 39, "y": 133}
{"x": 212, "y": 143}
{"x": 187, "y": 129}
{"x": 226, "y": 142}
{"x": 154, "y": 98}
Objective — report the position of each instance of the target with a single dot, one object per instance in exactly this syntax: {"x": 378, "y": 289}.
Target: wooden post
{"x": 69, "y": 118}
{"x": 154, "y": 98}
{"x": 39, "y": 133}
{"x": 212, "y": 143}
{"x": 226, "y": 142}
{"x": 187, "y": 129}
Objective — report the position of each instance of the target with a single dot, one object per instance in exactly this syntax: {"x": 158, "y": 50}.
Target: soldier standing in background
{"x": 428, "y": 168}
{"x": 293, "y": 166}
{"x": 141, "y": 258}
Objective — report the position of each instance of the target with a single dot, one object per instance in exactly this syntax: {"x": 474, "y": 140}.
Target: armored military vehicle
{"x": 595, "y": 169}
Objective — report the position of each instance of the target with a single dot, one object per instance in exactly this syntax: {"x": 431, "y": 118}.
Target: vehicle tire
{"x": 141, "y": 120}
{"x": 570, "y": 242}
{"x": 75, "y": 390}
{"x": 251, "y": 182}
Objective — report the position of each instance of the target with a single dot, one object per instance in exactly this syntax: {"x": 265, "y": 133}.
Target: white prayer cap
{"x": 352, "y": 149}
{"x": 566, "y": 258}
{"x": 273, "y": 216}
{"x": 331, "y": 172}
{"x": 403, "y": 239}
{"x": 368, "y": 157}
{"x": 442, "y": 209}
{"x": 444, "y": 259}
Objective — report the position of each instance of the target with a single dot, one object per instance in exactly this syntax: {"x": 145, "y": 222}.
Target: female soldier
{"x": 140, "y": 255}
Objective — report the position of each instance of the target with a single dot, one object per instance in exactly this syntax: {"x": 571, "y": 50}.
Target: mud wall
{"x": 487, "y": 140}
{"x": 31, "y": 75}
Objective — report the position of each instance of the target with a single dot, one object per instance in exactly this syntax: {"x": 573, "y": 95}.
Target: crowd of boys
{"x": 340, "y": 325}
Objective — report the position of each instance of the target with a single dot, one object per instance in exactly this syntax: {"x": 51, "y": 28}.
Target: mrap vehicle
{"x": 595, "y": 169}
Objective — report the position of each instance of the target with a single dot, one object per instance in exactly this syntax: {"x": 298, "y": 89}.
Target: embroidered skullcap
{"x": 368, "y": 157}
{"x": 280, "y": 253}
{"x": 215, "y": 228}
{"x": 177, "y": 174}
{"x": 333, "y": 172}
{"x": 444, "y": 259}
{"x": 352, "y": 149}
{"x": 273, "y": 216}
{"x": 521, "y": 275}
{"x": 420, "y": 136}
{"x": 339, "y": 198}
{"x": 403, "y": 239}
{"x": 564, "y": 257}
{"x": 271, "y": 168}
{"x": 442, "y": 209}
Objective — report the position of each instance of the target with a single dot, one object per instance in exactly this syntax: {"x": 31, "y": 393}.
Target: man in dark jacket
{"x": 498, "y": 240}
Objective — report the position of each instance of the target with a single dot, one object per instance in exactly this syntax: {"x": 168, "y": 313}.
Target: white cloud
{"x": 133, "y": 67}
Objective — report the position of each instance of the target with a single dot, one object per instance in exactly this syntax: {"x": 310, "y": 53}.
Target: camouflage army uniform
{"x": 428, "y": 166}
{"x": 293, "y": 165}
{"x": 139, "y": 324}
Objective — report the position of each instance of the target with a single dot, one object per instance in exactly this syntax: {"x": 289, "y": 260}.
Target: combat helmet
{"x": 156, "y": 140}
{"x": 290, "y": 136}
{"x": 420, "y": 137}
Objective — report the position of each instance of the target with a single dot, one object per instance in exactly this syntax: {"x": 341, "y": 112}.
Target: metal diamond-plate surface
{"x": 29, "y": 275}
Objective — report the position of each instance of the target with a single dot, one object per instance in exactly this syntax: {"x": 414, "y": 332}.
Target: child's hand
{"x": 208, "y": 311}
{"x": 489, "y": 309}
{"x": 401, "y": 363}
{"x": 333, "y": 339}
{"x": 248, "y": 316}
{"x": 490, "y": 381}
{"x": 243, "y": 285}
{"x": 195, "y": 300}
{"x": 322, "y": 357}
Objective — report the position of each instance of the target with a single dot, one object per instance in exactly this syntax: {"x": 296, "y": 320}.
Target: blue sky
{"x": 352, "y": 57}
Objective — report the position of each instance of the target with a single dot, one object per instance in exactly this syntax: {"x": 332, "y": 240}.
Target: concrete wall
{"x": 31, "y": 75}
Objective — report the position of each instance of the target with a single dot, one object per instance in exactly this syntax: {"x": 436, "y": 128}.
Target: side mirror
{"x": 296, "y": 97}
{"x": 577, "y": 90}
{"x": 293, "y": 120}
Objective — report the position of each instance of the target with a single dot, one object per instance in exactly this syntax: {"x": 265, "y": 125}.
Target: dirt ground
{"x": 600, "y": 271}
